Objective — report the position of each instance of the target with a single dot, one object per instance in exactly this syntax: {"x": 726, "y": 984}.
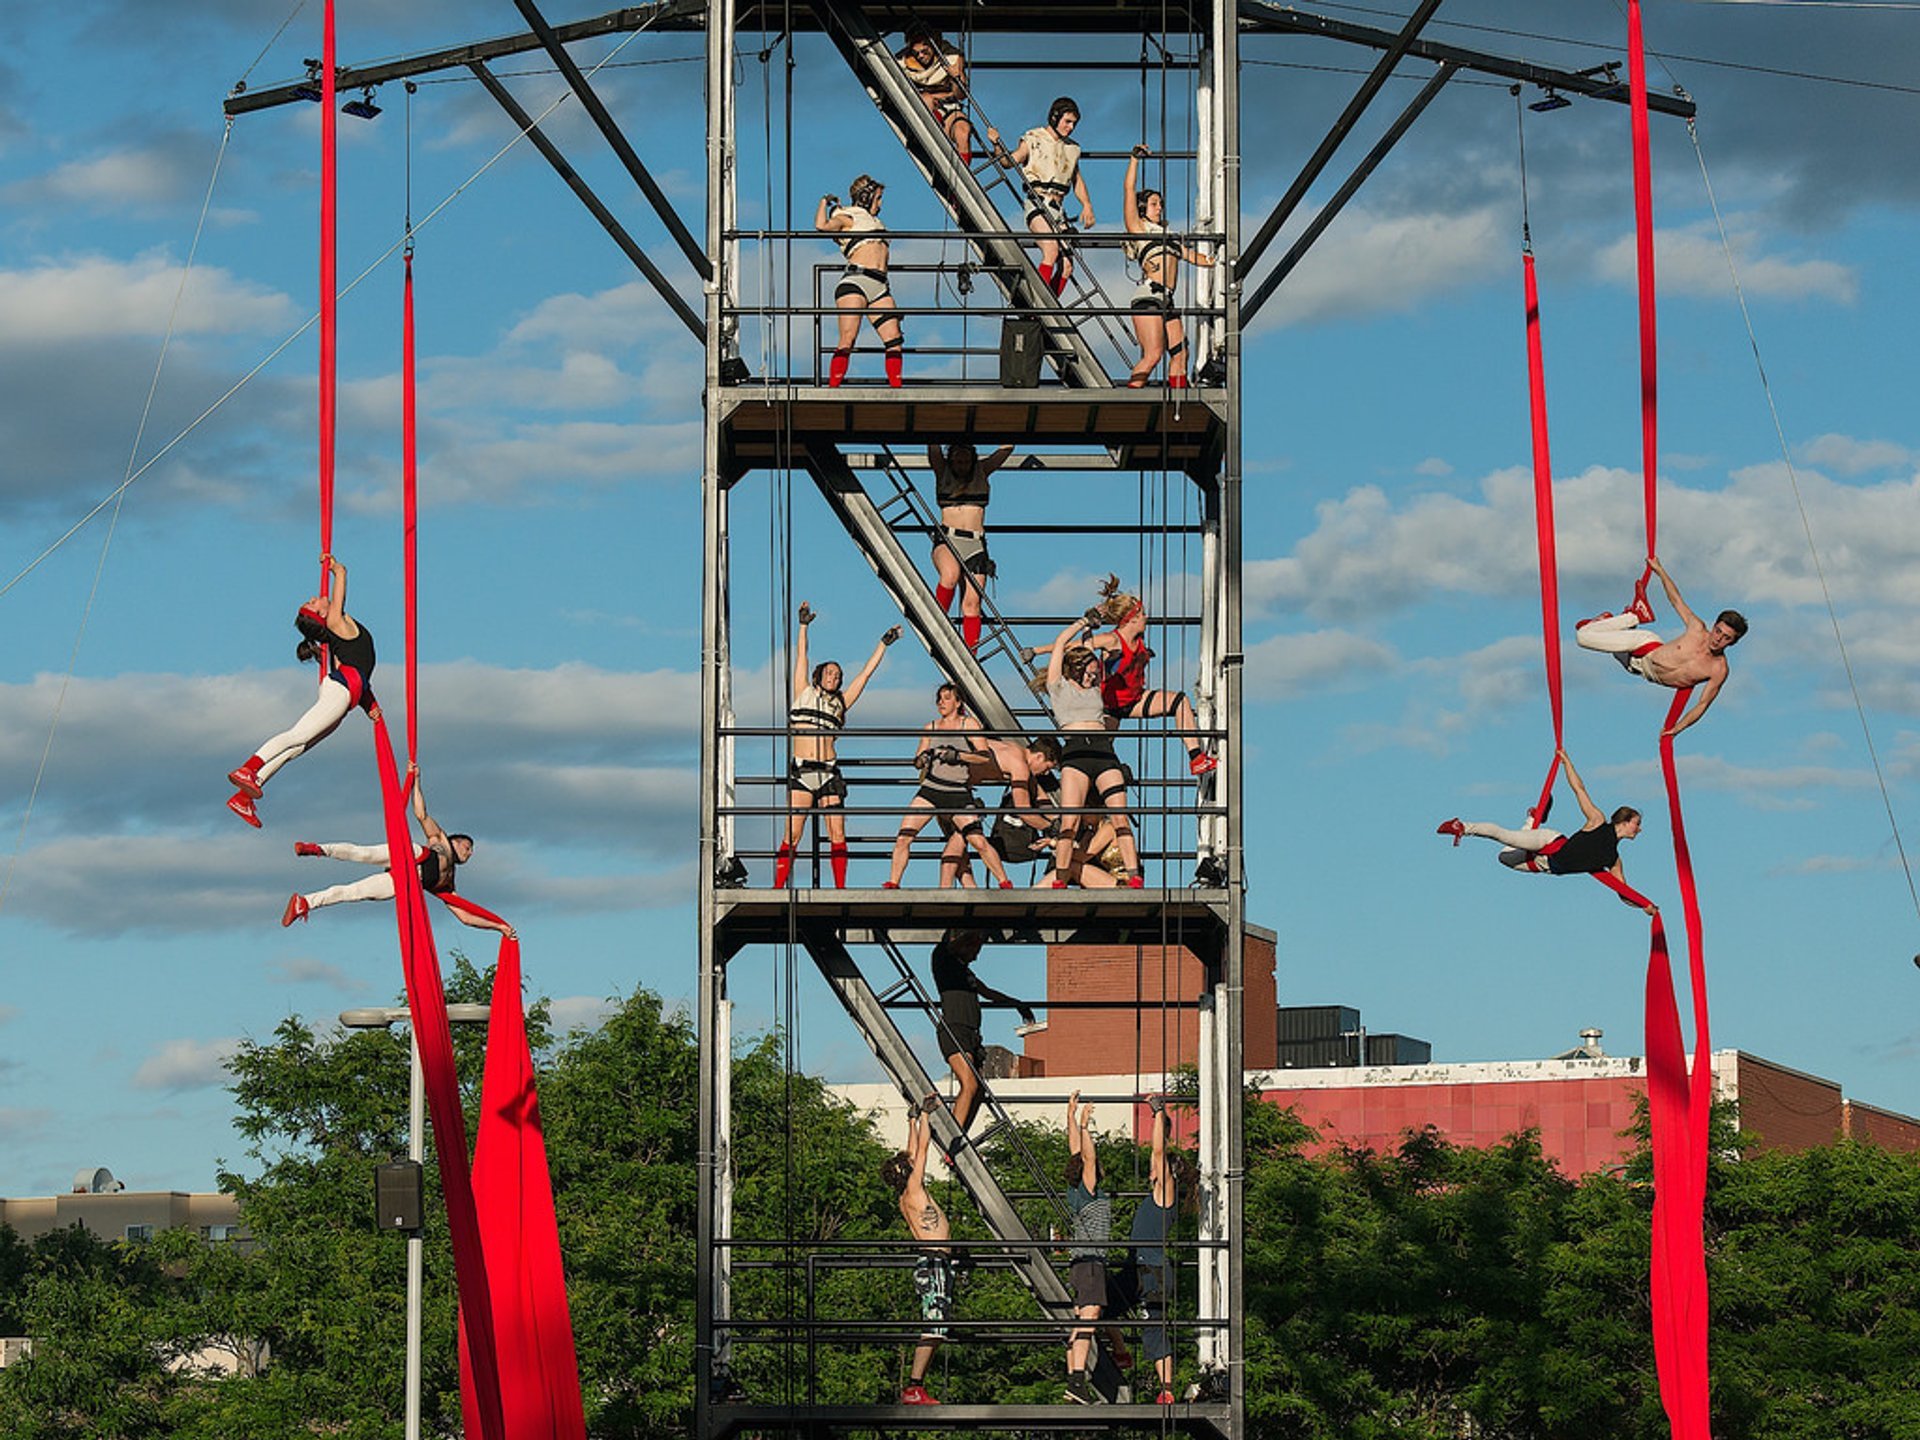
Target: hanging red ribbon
{"x": 329, "y": 339}
{"x": 539, "y": 1372}
{"x": 409, "y": 502}
{"x": 427, "y": 1008}
{"x": 1643, "y": 263}
{"x": 1543, "y": 530}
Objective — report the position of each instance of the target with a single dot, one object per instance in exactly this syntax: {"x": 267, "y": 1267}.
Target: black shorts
{"x": 1089, "y": 1283}
{"x": 960, "y": 1026}
{"x": 958, "y": 811}
{"x": 1092, "y": 755}
{"x": 820, "y": 778}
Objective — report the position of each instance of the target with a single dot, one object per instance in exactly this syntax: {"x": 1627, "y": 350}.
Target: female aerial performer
{"x": 946, "y": 793}
{"x": 437, "y": 860}
{"x": 819, "y": 714}
{"x": 330, "y": 635}
{"x": 961, "y": 485}
{"x": 1155, "y": 321}
{"x": 1124, "y": 684}
{"x": 1087, "y": 761}
{"x": 940, "y": 75}
{"x": 1051, "y": 164}
{"x": 1536, "y": 850}
{"x": 863, "y": 288}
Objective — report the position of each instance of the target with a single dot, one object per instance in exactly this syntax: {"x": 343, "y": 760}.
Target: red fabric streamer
{"x": 539, "y": 1376}
{"x": 1543, "y": 530}
{"x": 427, "y": 1008}
{"x": 329, "y": 338}
{"x": 409, "y": 498}
{"x": 1643, "y": 258}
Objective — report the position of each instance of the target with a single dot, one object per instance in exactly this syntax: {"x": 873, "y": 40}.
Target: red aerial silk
{"x": 409, "y": 502}
{"x": 1643, "y": 261}
{"x": 539, "y": 1373}
{"x": 427, "y": 1008}
{"x": 329, "y": 337}
{"x": 1543, "y": 530}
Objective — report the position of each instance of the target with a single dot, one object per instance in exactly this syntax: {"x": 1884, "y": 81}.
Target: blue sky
{"x": 1393, "y": 670}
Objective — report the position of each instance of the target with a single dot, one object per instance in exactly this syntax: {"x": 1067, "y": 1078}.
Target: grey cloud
{"x": 186, "y": 1065}
{"x": 168, "y": 168}
{"x": 304, "y": 970}
{"x": 1284, "y": 666}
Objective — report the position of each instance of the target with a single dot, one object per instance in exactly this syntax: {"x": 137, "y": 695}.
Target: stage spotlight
{"x": 1550, "y": 101}
{"x": 309, "y": 89}
{"x": 363, "y": 108}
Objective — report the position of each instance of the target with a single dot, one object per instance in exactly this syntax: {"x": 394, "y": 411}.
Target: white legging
{"x": 1523, "y": 846}
{"x": 323, "y": 717}
{"x": 1615, "y": 635}
{"x": 373, "y": 887}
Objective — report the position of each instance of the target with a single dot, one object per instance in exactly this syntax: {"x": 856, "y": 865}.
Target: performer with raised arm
{"x": 1087, "y": 760}
{"x": 1092, "y": 1209}
{"x": 961, "y": 992}
{"x": 961, "y": 486}
{"x": 819, "y": 714}
{"x": 1156, "y": 322}
{"x": 1145, "y": 1283}
{"x": 1698, "y": 657}
{"x": 945, "y": 793}
{"x": 863, "y": 288}
{"x": 1050, "y": 161}
{"x": 1536, "y": 850}
{"x": 330, "y": 636}
{"x": 906, "y": 1172}
{"x": 939, "y": 74}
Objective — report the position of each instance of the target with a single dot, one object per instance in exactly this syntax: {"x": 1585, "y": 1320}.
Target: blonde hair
{"x": 1115, "y": 606}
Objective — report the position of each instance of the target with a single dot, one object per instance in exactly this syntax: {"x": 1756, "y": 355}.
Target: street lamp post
{"x": 382, "y": 1018}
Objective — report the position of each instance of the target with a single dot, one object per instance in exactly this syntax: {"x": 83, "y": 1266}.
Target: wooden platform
{"x": 1197, "y": 1419}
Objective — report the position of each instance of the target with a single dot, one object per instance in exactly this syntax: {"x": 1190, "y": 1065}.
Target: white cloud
{"x": 1285, "y": 665}
{"x": 20, "y": 1122}
{"x": 153, "y": 174}
{"x": 94, "y": 297}
{"x": 1845, "y": 455}
{"x": 580, "y": 1012}
{"x": 1836, "y": 865}
{"x": 1690, "y": 261}
{"x": 186, "y": 1065}
{"x": 303, "y": 970}
{"x": 1369, "y": 263}
{"x": 1435, "y": 466}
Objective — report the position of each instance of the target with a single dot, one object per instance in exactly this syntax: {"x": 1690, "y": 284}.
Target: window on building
{"x": 218, "y": 1234}
{"x": 139, "y": 1234}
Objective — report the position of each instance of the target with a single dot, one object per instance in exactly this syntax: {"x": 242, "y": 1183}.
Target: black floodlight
{"x": 363, "y": 108}
{"x": 309, "y": 89}
{"x": 1552, "y": 100}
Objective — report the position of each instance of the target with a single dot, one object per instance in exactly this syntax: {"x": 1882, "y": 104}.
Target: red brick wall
{"x": 1785, "y": 1110}
{"x": 1579, "y": 1120}
{"x": 1107, "y": 1042}
{"x": 1885, "y": 1128}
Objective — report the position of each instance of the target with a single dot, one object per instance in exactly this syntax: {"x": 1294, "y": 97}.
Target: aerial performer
{"x": 906, "y": 1172}
{"x": 819, "y": 714}
{"x": 961, "y": 992}
{"x": 437, "y": 860}
{"x": 1050, "y": 161}
{"x": 945, "y": 793}
{"x": 1534, "y": 849}
{"x": 1156, "y": 323}
{"x": 1092, "y": 1208}
{"x": 1698, "y": 657}
{"x": 961, "y": 484}
{"x": 332, "y": 637}
{"x": 863, "y": 288}
{"x": 939, "y": 74}
{"x": 1088, "y": 765}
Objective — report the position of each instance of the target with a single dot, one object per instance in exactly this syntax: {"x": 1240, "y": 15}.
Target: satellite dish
{"x": 97, "y": 1181}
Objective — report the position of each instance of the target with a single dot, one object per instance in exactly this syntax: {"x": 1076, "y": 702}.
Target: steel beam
{"x": 675, "y": 301}
{"x": 1349, "y": 117}
{"x": 1317, "y": 227}
{"x": 869, "y": 530}
{"x": 1264, "y": 17}
{"x": 1008, "y": 261}
{"x": 617, "y": 138}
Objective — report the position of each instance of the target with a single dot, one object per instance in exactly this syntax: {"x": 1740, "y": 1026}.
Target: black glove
{"x": 1157, "y": 1104}
{"x": 1026, "y": 654}
{"x": 1141, "y": 152}
{"x": 833, "y": 201}
{"x": 1094, "y": 618}
{"x": 892, "y": 635}
{"x": 807, "y": 617}
{"x": 1027, "y": 1017}
{"x": 948, "y": 755}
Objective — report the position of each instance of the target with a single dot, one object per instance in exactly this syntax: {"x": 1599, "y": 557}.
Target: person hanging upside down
{"x": 332, "y": 637}
{"x": 961, "y": 485}
{"x": 1536, "y": 850}
{"x": 1087, "y": 762}
{"x": 819, "y": 713}
{"x": 1051, "y": 164}
{"x": 1698, "y": 657}
{"x": 863, "y": 287}
{"x": 437, "y": 859}
{"x": 961, "y": 992}
{"x": 1156, "y": 324}
{"x": 946, "y": 793}
{"x": 906, "y": 1172}
{"x": 1123, "y": 684}
{"x": 939, "y": 73}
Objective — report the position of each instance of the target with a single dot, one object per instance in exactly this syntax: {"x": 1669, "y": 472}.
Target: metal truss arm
{"x": 869, "y": 530}
{"x": 617, "y": 138}
{"x": 1363, "y": 97}
{"x": 669, "y": 15}
{"x": 1345, "y": 193}
{"x": 1265, "y": 17}
{"x": 675, "y": 301}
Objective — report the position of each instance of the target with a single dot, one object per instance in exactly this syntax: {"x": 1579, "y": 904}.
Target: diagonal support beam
{"x": 1346, "y": 192}
{"x": 675, "y": 301}
{"x": 617, "y": 138}
{"x": 1263, "y": 17}
{"x": 855, "y": 510}
{"x": 1007, "y": 260}
{"x": 1356, "y": 107}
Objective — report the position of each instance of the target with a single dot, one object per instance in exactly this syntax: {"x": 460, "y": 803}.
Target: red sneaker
{"x": 1006, "y": 884}
{"x": 297, "y": 909}
{"x": 1058, "y": 885}
{"x": 1452, "y": 827}
{"x": 307, "y": 847}
{"x": 1136, "y": 882}
{"x": 243, "y": 807}
{"x": 889, "y": 884}
{"x": 246, "y": 779}
{"x": 1165, "y": 1397}
{"x": 1641, "y": 610}
{"x": 1582, "y": 624}
{"x": 916, "y": 1394}
{"x": 1201, "y": 763}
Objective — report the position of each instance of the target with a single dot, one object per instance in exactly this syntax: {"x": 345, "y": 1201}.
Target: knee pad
{"x": 1105, "y": 795}
{"x": 1178, "y": 348}
{"x": 898, "y": 342}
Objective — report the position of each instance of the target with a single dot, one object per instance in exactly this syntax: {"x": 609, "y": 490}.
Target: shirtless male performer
{"x": 906, "y": 1172}
{"x": 1696, "y": 658}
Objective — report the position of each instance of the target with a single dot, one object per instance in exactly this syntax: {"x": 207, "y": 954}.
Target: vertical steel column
{"x": 713, "y": 1221}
